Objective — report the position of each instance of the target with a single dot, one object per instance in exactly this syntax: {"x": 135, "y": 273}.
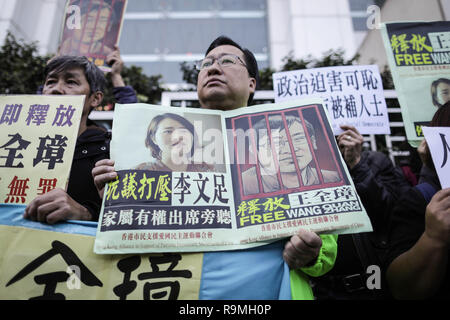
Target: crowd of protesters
{"x": 410, "y": 241}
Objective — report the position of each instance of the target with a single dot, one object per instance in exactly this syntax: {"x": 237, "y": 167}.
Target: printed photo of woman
{"x": 172, "y": 142}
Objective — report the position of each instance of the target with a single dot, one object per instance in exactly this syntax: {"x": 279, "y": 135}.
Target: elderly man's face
{"x": 225, "y": 88}
{"x": 283, "y": 151}
{"x": 69, "y": 82}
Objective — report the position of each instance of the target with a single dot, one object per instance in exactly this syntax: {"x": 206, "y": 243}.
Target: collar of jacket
{"x": 92, "y": 142}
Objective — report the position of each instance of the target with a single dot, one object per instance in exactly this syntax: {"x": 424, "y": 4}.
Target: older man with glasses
{"x": 228, "y": 77}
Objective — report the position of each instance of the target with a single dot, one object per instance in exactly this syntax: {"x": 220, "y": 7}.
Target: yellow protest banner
{"x": 37, "y": 264}
{"x": 37, "y": 142}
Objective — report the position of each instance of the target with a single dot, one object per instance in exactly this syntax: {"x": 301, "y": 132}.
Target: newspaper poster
{"x": 353, "y": 95}
{"x": 37, "y": 142}
{"x": 419, "y": 58}
{"x": 92, "y": 28}
{"x": 438, "y": 141}
{"x": 205, "y": 180}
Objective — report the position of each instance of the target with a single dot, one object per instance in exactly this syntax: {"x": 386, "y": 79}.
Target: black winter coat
{"x": 92, "y": 146}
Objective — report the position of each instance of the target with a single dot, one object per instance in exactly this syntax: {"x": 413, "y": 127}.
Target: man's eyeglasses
{"x": 226, "y": 60}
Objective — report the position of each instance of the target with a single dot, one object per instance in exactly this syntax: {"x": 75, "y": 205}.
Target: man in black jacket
{"x": 227, "y": 80}
{"x": 379, "y": 185}
{"x": 72, "y": 75}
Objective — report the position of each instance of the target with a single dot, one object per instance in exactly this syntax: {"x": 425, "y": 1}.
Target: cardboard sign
{"x": 352, "y": 95}
{"x": 419, "y": 58}
{"x": 37, "y": 142}
{"x": 438, "y": 140}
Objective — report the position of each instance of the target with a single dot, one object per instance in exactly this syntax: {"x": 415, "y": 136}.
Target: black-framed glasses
{"x": 224, "y": 61}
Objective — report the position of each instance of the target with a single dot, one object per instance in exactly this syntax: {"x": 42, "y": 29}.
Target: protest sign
{"x": 438, "y": 141}
{"x": 37, "y": 143}
{"x": 40, "y": 261}
{"x": 419, "y": 58}
{"x": 92, "y": 28}
{"x": 203, "y": 180}
{"x": 353, "y": 95}
{"x": 66, "y": 263}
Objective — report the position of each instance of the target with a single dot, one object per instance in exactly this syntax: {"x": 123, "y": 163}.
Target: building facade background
{"x": 371, "y": 49}
{"x": 33, "y": 20}
{"x": 160, "y": 34}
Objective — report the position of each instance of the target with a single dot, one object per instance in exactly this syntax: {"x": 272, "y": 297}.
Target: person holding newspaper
{"x": 228, "y": 78}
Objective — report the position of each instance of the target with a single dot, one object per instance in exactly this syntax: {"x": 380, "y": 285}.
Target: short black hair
{"x": 250, "y": 60}
{"x": 94, "y": 75}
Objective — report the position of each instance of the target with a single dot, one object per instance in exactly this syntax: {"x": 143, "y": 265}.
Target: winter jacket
{"x": 92, "y": 146}
{"x": 379, "y": 185}
{"x": 124, "y": 95}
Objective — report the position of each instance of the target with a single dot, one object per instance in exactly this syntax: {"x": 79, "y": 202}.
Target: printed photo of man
{"x": 282, "y": 154}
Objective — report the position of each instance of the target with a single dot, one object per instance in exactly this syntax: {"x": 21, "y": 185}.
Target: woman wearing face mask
{"x": 172, "y": 141}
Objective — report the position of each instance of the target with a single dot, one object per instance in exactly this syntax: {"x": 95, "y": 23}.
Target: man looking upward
{"x": 227, "y": 80}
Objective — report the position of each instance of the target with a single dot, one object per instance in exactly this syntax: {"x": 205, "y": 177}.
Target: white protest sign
{"x": 353, "y": 95}
{"x": 438, "y": 140}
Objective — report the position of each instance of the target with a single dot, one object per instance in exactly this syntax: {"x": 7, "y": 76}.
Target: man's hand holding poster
{"x": 203, "y": 180}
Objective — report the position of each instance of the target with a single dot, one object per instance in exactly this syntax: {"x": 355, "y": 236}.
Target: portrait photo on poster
{"x": 440, "y": 91}
{"x": 183, "y": 142}
{"x": 92, "y": 29}
{"x": 283, "y": 152}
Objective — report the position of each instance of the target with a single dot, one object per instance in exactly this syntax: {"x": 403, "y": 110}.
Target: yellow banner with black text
{"x": 37, "y": 264}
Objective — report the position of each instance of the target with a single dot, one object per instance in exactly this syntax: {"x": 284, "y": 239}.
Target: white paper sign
{"x": 438, "y": 140}
{"x": 353, "y": 95}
